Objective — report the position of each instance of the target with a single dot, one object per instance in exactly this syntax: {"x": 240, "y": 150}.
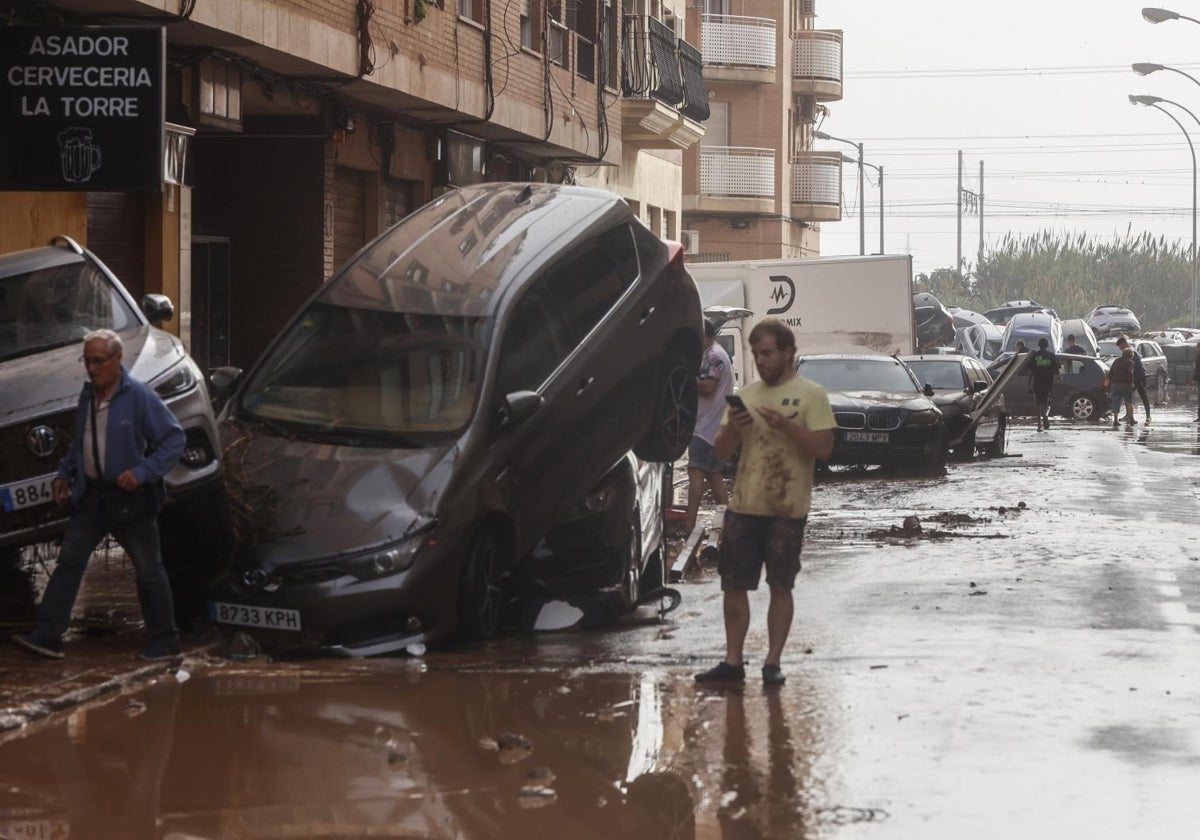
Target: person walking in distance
{"x": 784, "y": 425}
{"x": 1139, "y": 380}
{"x": 714, "y": 384}
{"x": 126, "y": 439}
{"x": 1043, "y": 369}
{"x": 1120, "y": 380}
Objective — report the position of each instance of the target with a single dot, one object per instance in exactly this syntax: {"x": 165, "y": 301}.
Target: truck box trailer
{"x": 833, "y": 304}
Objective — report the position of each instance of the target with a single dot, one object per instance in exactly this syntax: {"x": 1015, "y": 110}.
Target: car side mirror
{"x": 979, "y": 385}
{"x": 224, "y": 380}
{"x": 519, "y": 406}
{"x": 158, "y": 308}
{"x": 927, "y": 390}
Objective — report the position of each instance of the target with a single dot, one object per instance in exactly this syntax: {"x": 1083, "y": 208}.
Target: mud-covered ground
{"x": 1007, "y": 651}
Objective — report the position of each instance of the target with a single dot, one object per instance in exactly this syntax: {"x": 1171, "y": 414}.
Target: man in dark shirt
{"x": 1043, "y": 369}
{"x": 1139, "y": 381}
{"x": 1074, "y": 348}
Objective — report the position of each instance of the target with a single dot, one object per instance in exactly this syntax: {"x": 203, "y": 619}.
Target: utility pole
{"x": 979, "y": 258}
{"x": 958, "y": 238}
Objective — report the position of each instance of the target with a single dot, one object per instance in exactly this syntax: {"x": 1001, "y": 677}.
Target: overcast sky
{"x": 1038, "y": 91}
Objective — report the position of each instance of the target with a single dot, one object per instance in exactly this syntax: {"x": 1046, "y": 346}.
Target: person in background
{"x": 787, "y": 426}
{"x": 1021, "y": 348}
{"x": 1043, "y": 370}
{"x": 1196, "y": 381}
{"x": 1073, "y": 347}
{"x": 714, "y": 384}
{"x": 1120, "y": 377}
{"x": 126, "y": 440}
{"x": 1139, "y": 381}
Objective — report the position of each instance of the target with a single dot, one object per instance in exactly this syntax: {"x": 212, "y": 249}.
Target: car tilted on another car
{"x": 1082, "y": 393}
{"x": 961, "y": 391}
{"x": 934, "y": 323}
{"x": 1109, "y": 320}
{"x": 1002, "y": 314}
{"x": 884, "y": 415}
{"x": 50, "y": 298}
{"x": 412, "y": 445}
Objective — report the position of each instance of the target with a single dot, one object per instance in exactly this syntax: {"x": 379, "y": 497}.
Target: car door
{"x": 986, "y": 412}
{"x": 1015, "y": 388}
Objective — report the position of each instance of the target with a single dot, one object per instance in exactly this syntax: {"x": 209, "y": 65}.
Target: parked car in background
{"x": 1030, "y": 327}
{"x": 1082, "y": 394}
{"x": 980, "y": 341}
{"x": 961, "y": 387}
{"x": 1001, "y": 314}
{"x": 50, "y": 298}
{"x": 1084, "y": 336}
{"x": 1181, "y": 360}
{"x": 1164, "y": 337}
{"x": 935, "y": 325}
{"x": 1154, "y": 360}
{"x": 965, "y": 317}
{"x": 458, "y": 393}
{"x": 1107, "y": 320}
{"x": 884, "y": 415}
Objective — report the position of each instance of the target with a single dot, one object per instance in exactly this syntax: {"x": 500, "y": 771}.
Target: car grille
{"x": 17, "y": 462}
{"x": 850, "y": 419}
{"x": 884, "y": 421}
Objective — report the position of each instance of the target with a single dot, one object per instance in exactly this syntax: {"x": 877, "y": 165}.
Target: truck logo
{"x": 783, "y": 293}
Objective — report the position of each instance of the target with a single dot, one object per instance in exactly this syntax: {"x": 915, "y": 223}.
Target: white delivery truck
{"x": 832, "y": 304}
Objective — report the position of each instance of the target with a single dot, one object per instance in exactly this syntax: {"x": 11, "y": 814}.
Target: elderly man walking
{"x": 126, "y": 439}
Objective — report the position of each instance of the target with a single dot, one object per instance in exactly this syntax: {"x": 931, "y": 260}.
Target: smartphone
{"x": 736, "y": 403}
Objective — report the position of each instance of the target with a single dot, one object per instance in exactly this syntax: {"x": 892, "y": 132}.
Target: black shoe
{"x": 41, "y": 647}
{"x": 161, "y": 652}
{"x": 723, "y": 672}
{"x": 772, "y": 675}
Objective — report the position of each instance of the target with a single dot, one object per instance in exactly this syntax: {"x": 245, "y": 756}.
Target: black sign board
{"x": 81, "y": 108}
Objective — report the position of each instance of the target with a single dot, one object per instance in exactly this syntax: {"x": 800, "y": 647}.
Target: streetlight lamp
{"x": 1145, "y": 68}
{"x": 862, "y": 211}
{"x": 879, "y": 169}
{"x": 1153, "y": 102}
{"x": 1161, "y": 15}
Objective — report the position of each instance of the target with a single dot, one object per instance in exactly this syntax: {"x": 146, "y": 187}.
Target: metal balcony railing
{"x": 737, "y": 172}
{"x": 695, "y": 95}
{"x": 817, "y": 62}
{"x": 817, "y": 179}
{"x": 732, "y": 39}
{"x": 651, "y": 66}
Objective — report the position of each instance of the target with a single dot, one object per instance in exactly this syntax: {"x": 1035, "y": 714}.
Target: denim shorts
{"x": 702, "y": 456}
{"x": 750, "y": 542}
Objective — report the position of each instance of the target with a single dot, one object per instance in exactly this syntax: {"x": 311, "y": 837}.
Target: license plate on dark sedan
{"x": 867, "y": 437}
{"x": 243, "y": 615}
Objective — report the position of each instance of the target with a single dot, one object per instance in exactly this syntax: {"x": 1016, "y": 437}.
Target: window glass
{"x": 589, "y": 284}
{"x": 533, "y": 345}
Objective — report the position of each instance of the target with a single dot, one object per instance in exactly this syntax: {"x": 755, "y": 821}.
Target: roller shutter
{"x": 116, "y": 233}
{"x": 349, "y": 213}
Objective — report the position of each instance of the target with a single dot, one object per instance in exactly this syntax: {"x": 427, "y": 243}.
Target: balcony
{"x": 817, "y": 64}
{"x": 817, "y": 186}
{"x": 738, "y": 49}
{"x": 735, "y": 179}
{"x": 664, "y": 99}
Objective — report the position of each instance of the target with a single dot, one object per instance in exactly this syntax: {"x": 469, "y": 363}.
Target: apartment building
{"x": 753, "y": 188}
{"x": 285, "y": 134}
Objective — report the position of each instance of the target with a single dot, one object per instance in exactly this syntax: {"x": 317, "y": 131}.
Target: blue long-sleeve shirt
{"x": 143, "y": 436}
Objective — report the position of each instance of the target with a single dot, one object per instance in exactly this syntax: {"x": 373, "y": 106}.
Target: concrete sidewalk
{"x": 102, "y": 646}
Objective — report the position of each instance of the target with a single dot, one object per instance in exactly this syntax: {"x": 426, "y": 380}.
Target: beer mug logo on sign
{"x": 80, "y": 159}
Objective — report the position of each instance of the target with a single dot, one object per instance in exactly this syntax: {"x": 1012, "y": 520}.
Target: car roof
{"x": 33, "y": 259}
{"x": 936, "y": 357}
{"x": 460, "y": 253}
{"x": 870, "y": 357}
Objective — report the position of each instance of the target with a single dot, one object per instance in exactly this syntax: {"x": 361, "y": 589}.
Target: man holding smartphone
{"x": 713, "y": 385}
{"x": 784, "y": 426}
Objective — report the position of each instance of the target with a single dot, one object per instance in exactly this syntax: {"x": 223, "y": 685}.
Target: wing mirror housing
{"x": 979, "y": 386}
{"x": 519, "y": 406}
{"x": 224, "y": 380}
{"x": 158, "y": 308}
{"x": 927, "y": 390}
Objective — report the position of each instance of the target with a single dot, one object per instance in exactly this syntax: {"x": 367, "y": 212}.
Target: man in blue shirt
{"x": 126, "y": 439}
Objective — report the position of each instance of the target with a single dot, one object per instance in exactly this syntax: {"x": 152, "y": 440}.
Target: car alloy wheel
{"x": 480, "y": 593}
{"x": 1083, "y": 407}
{"x": 674, "y": 412}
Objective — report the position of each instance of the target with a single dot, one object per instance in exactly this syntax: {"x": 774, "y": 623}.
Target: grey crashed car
{"x": 448, "y": 420}
{"x": 50, "y": 298}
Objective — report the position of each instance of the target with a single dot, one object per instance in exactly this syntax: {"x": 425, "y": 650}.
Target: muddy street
{"x": 1008, "y": 650}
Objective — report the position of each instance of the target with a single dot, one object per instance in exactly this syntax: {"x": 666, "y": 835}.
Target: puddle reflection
{"x": 314, "y": 751}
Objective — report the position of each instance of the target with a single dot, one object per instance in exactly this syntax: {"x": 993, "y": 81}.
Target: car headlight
{"x": 179, "y": 380}
{"x": 391, "y": 560}
{"x": 928, "y": 417}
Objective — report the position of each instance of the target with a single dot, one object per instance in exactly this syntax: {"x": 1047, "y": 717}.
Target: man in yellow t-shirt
{"x": 784, "y": 425}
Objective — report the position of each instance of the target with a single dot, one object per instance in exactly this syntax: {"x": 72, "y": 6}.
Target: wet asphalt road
{"x": 1026, "y": 666}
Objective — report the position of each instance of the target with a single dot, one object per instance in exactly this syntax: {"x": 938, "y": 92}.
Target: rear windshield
{"x": 371, "y": 378}
{"x": 858, "y": 374}
{"x": 54, "y": 307}
{"x": 939, "y": 374}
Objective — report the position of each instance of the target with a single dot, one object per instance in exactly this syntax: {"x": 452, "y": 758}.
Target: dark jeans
{"x": 1140, "y": 387}
{"x": 140, "y": 541}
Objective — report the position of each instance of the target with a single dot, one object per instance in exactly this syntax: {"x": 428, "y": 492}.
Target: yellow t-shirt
{"x": 774, "y": 476}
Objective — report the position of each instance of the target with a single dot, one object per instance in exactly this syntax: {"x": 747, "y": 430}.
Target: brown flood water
{"x": 345, "y": 750}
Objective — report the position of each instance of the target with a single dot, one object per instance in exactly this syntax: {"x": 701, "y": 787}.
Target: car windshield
{"x": 857, "y": 374}
{"x": 365, "y": 377}
{"x": 939, "y": 374}
{"x": 1107, "y": 348}
{"x": 57, "y": 306}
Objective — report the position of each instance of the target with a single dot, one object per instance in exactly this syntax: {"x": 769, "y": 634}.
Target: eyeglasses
{"x": 93, "y": 361}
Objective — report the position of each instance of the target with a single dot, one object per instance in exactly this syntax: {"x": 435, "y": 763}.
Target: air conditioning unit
{"x": 690, "y": 240}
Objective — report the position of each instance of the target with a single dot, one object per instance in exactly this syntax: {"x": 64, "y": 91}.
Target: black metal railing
{"x": 695, "y": 96}
{"x": 651, "y": 66}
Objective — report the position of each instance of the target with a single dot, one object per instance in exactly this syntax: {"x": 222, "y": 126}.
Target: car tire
{"x": 196, "y": 539}
{"x": 480, "y": 595}
{"x": 674, "y": 415}
{"x": 999, "y": 445}
{"x": 966, "y": 448}
{"x": 631, "y": 575}
{"x": 1161, "y": 387}
{"x": 1083, "y": 407}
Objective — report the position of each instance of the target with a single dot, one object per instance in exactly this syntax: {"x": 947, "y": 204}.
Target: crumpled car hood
{"x": 867, "y": 400}
{"x": 49, "y": 382}
{"x": 317, "y": 500}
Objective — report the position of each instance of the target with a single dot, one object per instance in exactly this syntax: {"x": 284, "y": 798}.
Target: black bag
{"x": 118, "y": 507}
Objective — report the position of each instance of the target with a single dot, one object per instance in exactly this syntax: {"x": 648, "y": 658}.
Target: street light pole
{"x": 878, "y": 169}
{"x": 862, "y": 210}
{"x": 1153, "y": 102}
